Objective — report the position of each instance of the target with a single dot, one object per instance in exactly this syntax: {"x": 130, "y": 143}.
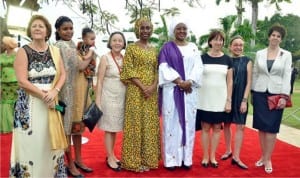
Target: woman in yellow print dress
{"x": 141, "y": 137}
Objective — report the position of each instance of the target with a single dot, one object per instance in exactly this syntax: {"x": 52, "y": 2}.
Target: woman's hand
{"x": 186, "y": 86}
{"x": 228, "y": 107}
{"x": 243, "y": 107}
{"x": 51, "y": 105}
{"x": 281, "y": 103}
{"x": 49, "y": 95}
{"x": 149, "y": 90}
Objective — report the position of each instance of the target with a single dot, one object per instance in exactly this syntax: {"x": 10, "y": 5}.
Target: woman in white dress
{"x": 110, "y": 96}
{"x": 215, "y": 96}
{"x": 41, "y": 75}
{"x": 180, "y": 73}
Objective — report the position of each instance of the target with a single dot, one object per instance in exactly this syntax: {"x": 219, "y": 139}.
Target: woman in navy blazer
{"x": 271, "y": 75}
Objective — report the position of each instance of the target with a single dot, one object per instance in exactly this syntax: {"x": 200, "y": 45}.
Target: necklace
{"x": 41, "y": 48}
{"x": 119, "y": 67}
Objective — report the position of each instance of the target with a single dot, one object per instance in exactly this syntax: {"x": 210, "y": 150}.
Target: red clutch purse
{"x": 274, "y": 99}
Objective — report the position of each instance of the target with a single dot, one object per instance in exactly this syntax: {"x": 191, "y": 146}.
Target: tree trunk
{"x": 240, "y": 10}
{"x": 254, "y": 20}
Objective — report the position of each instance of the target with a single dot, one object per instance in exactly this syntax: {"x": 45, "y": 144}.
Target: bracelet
{"x": 244, "y": 100}
{"x": 228, "y": 100}
{"x": 57, "y": 89}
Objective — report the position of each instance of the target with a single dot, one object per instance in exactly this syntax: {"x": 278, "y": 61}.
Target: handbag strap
{"x": 90, "y": 82}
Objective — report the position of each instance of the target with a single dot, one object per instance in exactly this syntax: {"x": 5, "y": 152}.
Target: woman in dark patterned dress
{"x": 40, "y": 74}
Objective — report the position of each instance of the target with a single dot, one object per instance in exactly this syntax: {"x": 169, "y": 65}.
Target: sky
{"x": 200, "y": 19}
{"x": 203, "y": 18}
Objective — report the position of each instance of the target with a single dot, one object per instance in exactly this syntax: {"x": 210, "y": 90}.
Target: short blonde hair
{"x": 46, "y": 22}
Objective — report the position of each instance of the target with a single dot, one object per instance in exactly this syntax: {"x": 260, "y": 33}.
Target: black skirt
{"x": 264, "y": 119}
{"x": 212, "y": 117}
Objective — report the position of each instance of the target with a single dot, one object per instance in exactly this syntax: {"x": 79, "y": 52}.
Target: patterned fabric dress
{"x": 113, "y": 98}
{"x": 68, "y": 53}
{"x": 8, "y": 88}
{"x": 31, "y": 154}
{"x": 141, "y": 134}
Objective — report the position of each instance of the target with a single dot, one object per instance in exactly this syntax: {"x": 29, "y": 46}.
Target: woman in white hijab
{"x": 180, "y": 71}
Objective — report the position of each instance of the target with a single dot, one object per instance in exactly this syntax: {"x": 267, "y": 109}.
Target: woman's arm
{"x": 243, "y": 107}
{"x": 287, "y": 71}
{"x": 229, "y": 82}
{"x": 100, "y": 77}
{"x": 20, "y": 66}
{"x": 51, "y": 94}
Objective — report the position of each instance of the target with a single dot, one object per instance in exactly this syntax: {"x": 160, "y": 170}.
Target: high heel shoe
{"x": 205, "y": 165}
{"x": 118, "y": 162}
{"x": 259, "y": 163}
{"x": 226, "y": 156}
{"x": 239, "y": 164}
{"x": 268, "y": 170}
{"x": 117, "y": 169}
{"x": 84, "y": 169}
{"x": 214, "y": 165}
{"x": 73, "y": 175}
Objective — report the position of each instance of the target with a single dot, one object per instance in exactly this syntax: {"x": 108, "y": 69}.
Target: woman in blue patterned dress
{"x": 40, "y": 74}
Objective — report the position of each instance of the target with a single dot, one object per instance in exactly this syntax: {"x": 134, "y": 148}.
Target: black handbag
{"x": 91, "y": 116}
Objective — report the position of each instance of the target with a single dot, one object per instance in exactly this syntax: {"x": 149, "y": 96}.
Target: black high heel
{"x": 214, "y": 165}
{"x": 71, "y": 174}
{"x": 117, "y": 169}
{"x": 87, "y": 169}
{"x": 204, "y": 164}
{"x": 238, "y": 163}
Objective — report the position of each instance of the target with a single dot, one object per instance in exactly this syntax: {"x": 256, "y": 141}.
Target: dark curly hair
{"x": 278, "y": 28}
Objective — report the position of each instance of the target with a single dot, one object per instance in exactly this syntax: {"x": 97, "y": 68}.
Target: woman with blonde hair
{"x": 38, "y": 140}
{"x": 242, "y": 76}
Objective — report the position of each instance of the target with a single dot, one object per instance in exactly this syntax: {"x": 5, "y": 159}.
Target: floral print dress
{"x": 8, "y": 96}
{"x": 31, "y": 154}
{"x": 141, "y": 134}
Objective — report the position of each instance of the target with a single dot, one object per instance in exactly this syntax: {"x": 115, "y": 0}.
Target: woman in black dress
{"x": 242, "y": 75}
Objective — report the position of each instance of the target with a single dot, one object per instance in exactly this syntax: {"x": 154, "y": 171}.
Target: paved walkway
{"x": 286, "y": 134}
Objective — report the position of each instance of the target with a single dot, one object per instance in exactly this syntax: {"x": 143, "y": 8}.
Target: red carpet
{"x": 285, "y": 159}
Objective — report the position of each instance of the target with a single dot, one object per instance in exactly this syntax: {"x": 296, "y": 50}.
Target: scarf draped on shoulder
{"x": 171, "y": 55}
